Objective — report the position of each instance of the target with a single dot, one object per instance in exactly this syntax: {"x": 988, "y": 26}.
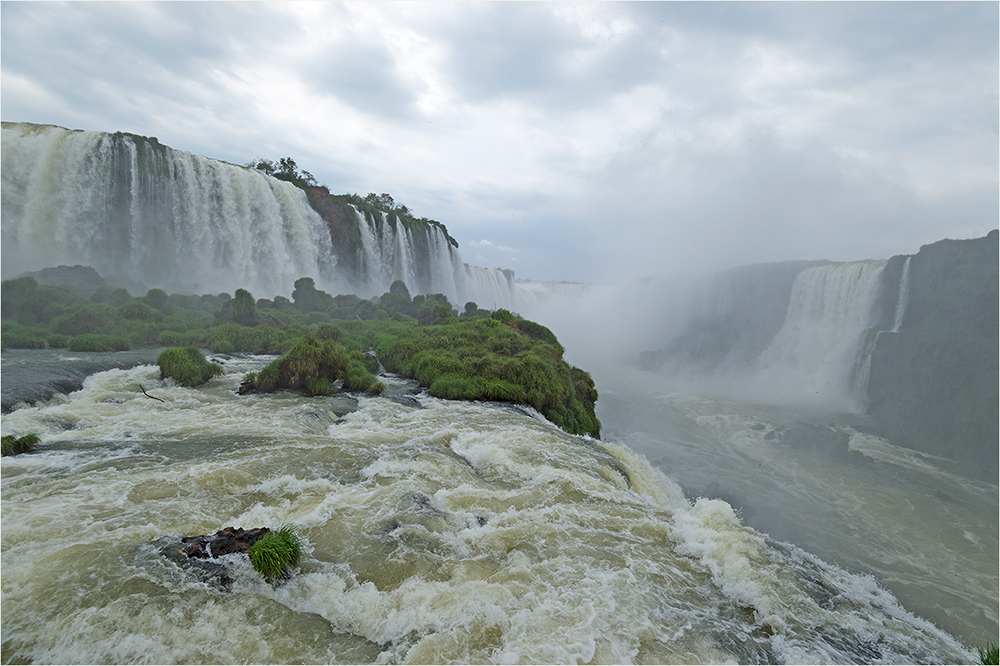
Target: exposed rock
{"x": 195, "y": 553}
{"x": 933, "y": 383}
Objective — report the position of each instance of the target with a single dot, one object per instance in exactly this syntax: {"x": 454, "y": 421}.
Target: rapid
{"x": 434, "y": 531}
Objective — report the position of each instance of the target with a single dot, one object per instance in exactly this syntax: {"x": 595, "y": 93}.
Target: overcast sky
{"x": 567, "y": 141}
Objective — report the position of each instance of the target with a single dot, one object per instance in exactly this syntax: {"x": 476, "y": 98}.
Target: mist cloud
{"x": 602, "y": 141}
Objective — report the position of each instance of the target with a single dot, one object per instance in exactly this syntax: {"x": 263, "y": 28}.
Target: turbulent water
{"x": 434, "y": 531}
{"x": 145, "y": 215}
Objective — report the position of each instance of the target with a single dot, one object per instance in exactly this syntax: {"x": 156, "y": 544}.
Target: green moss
{"x": 11, "y": 446}
{"x": 187, "y": 365}
{"x": 274, "y": 552}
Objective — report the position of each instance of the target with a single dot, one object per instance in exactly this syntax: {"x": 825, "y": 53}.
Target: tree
{"x": 284, "y": 169}
{"x": 242, "y": 308}
{"x": 399, "y": 287}
{"x": 310, "y": 299}
{"x": 156, "y": 298}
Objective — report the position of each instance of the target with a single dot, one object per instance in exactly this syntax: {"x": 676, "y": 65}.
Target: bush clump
{"x": 502, "y": 358}
{"x": 97, "y": 342}
{"x": 273, "y": 552}
{"x": 187, "y": 365}
{"x": 313, "y": 364}
{"x": 11, "y": 446}
{"x": 989, "y": 654}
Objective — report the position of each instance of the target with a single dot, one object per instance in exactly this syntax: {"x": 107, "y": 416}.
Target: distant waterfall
{"x": 146, "y": 215}
{"x": 817, "y": 354}
{"x": 492, "y": 289}
{"x": 904, "y": 296}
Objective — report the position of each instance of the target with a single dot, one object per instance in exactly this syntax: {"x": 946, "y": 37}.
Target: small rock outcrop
{"x": 196, "y": 553}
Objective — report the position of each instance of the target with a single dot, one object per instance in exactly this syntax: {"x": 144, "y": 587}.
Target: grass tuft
{"x": 272, "y": 553}
{"x": 187, "y": 365}
{"x": 11, "y": 446}
{"x": 990, "y": 654}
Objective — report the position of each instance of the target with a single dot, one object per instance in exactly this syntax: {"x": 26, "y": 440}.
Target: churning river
{"x": 438, "y": 531}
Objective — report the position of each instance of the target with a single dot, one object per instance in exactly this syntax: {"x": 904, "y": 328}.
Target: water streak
{"x": 904, "y": 296}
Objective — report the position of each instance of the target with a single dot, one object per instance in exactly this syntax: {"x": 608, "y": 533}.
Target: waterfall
{"x": 142, "y": 213}
{"x": 492, "y": 289}
{"x": 145, "y": 215}
{"x": 817, "y": 354}
{"x": 904, "y": 296}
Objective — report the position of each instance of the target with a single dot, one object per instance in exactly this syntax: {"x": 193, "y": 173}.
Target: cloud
{"x": 486, "y": 243}
{"x": 599, "y": 140}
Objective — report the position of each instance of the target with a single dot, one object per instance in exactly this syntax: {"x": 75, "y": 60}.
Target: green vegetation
{"x": 313, "y": 364}
{"x": 990, "y": 654}
{"x": 98, "y": 342}
{"x": 502, "y": 358}
{"x": 11, "y": 446}
{"x": 187, "y": 365}
{"x": 273, "y": 552}
{"x": 324, "y": 339}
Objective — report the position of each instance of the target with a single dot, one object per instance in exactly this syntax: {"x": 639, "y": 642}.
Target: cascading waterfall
{"x": 817, "y": 352}
{"x": 146, "y": 215}
{"x": 492, "y": 289}
{"x": 904, "y": 296}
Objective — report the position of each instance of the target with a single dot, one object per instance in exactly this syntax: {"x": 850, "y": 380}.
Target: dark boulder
{"x": 197, "y": 553}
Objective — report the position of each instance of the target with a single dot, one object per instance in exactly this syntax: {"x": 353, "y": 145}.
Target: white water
{"x": 815, "y": 358}
{"x": 180, "y": 221}
{"x": 456, "y": 532}
{"x": 147, "y": 216}
{"x": 904, "y": 296}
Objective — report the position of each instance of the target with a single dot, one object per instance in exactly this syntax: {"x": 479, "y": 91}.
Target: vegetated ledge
{"x": 475, "y": 355}
{"x": 500, "y": 358}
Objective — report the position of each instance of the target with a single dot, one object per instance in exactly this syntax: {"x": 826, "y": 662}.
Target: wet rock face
{"x": 223, "y": 542}
{"x": 196, "y": 554}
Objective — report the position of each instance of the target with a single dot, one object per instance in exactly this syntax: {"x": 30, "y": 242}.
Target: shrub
{"x": 266, "y": 380}
{"x": 11, "y": 446}
{"x": 92, "y": 318}
{"x": 319, "y": 386}
{"x": 187, "y": 365}
{"x": 222, "y": 347}
{"x": 138, "y": 310}
{"x": 19, "y": 337}
{"x": 273, "y": 552}
{"x": 97, "y": 342}
{"x": 488, "y": 359}
{"x": 329, "y": 332}
{"x": 58, "y": 341}
{"x": 243, "y": 308}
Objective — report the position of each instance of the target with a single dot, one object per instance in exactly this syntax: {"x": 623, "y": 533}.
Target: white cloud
{"x": 598, "y": 138}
